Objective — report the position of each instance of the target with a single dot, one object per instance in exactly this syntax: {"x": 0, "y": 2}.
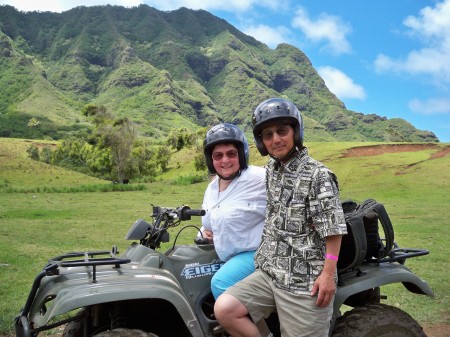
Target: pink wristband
{"x": 331, "y": 257}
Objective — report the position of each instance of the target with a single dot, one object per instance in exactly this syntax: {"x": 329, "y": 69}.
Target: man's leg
{"x": 300, "y": 316}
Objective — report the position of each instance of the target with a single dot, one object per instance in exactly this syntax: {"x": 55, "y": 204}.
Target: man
{"x": 296, "y": 259}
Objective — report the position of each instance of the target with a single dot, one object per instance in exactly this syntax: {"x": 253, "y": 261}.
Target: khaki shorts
{"x": 298, "y": 314}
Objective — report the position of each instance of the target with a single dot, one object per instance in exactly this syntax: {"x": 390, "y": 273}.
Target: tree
{"x": 102, "y": 152}
{"x": 113, "y": 149}
{"x": 142, "y": 161}
{"x": 46, "y": 154}
{"x": 163, "y": 157}
{"x": 33, "y": 152}
{"x": 199, "y": 162}
{"x": 99, "y": 113}
{"x": 121, "y": 141}
{"x": 199, "y": 159}
{"x": 117, "y": 134}
{"x": 33, "y": 123}
{"x": 181, "y": 137}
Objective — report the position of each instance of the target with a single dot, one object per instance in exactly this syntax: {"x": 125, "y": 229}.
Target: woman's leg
{"x": 234, "y": 270}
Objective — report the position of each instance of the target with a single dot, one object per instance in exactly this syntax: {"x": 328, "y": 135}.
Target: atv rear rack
{"x": 401, "y": 254}
{"x": 397, "y": 254}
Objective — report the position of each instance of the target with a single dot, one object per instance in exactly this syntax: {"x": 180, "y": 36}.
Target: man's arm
{"x": 325, "y": 284}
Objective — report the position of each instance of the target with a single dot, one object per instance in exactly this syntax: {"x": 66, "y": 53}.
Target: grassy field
{"x": 412, "y": 181}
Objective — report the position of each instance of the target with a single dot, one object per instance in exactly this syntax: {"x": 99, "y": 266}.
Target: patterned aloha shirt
{"x": 303, "y": 208}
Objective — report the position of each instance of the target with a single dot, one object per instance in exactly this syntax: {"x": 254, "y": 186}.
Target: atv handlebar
{"x": 151, "y": 235}
{"x": 181, "y": 213}
{"x": 185, "y": 212}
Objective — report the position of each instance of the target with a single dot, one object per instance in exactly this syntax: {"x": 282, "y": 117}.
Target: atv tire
{"x": 75, "y": 329}
{"x": 377, "y": 320}
{"x": 125, "y": 333}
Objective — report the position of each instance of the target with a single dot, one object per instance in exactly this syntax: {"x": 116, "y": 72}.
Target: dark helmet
{"x": 225, "y": 133}
{"x": 274, "y": 110}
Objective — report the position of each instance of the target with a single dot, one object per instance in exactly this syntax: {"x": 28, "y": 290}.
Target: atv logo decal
{"x": 194, "y": 270}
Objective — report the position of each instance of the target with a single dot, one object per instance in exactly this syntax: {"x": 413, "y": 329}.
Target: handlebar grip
{"x": 194, "y": 212}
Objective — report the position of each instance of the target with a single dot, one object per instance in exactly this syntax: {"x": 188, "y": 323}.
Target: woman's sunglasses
{"x": 219, "y": 155}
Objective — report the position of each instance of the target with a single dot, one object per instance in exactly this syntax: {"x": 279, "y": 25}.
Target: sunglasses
{"x": 219, "y": 155}
{"x": 281, "y": 131}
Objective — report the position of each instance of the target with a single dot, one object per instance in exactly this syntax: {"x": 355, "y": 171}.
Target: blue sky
{"x": 391, "y": 58}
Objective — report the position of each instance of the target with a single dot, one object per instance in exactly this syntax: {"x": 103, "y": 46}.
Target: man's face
{"x": 278, "y": 139}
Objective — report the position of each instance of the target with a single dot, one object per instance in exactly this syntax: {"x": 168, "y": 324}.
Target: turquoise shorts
{"x": 235, "y": 269}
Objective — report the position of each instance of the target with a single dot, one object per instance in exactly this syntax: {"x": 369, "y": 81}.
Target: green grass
{"x": 37, "y": 225}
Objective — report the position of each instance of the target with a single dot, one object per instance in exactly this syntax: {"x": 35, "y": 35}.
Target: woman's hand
{"x": 207, "y": 234}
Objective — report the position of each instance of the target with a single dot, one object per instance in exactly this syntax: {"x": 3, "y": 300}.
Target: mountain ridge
{"x": 184, "y": 68}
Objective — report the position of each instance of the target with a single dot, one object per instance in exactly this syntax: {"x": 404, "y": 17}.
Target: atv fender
{"x": 376, "y": 275}
{"x": 67, "y": 292}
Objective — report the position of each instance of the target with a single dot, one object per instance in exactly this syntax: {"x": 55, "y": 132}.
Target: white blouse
{"x": 236, "y": 215}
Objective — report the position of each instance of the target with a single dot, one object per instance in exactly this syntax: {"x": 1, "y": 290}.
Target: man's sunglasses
{"x": 280, "y": 131}
{"x": 219, "y": 155}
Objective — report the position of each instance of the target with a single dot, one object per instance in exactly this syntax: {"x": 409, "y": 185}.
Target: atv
{"x": 145, "y": 292}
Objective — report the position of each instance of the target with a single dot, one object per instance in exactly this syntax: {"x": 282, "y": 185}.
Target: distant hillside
{"x": 163, "y": 70}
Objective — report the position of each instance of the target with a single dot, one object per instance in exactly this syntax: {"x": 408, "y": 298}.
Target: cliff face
{"x": 164, "y": 70}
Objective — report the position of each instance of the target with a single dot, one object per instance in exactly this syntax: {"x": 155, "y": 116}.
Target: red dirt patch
{"x": 437, "y": 330}
{"x": 445, "y": 151}
{"x": 374, "y": 150}
{"x": 40, "y": 145}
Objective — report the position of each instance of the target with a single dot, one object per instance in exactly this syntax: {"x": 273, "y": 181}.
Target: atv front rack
{"x": 89, "y": 259}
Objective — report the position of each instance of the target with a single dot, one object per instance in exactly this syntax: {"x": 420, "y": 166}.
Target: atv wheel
{"x": 74, "y": 329}
{"x": 125, "y": 333}
{"x": 377, "y": 320}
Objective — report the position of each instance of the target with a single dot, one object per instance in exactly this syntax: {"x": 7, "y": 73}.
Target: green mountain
{"x": 163, "y": 70}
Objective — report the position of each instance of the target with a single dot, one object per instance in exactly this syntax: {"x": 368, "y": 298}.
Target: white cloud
{"x": 328, "y": 28}
{"x": 340, "y": 84}
{"x": 432, "y": 106}
{"x": 268, "y": 35}
{"x": 432, "y": 22}
{"x": 432, "y": 26}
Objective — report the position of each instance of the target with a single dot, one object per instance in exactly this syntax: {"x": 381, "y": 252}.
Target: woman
{"x": 235, "y": 203}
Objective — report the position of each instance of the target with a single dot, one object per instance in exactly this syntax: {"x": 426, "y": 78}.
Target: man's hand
{"x": 326, "y": 286}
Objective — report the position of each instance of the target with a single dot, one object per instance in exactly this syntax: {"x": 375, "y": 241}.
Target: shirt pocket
{"x": 237, "y": 211}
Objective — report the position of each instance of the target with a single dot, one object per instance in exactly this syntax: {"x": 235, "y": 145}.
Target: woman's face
{"x": 225, "y": 159}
